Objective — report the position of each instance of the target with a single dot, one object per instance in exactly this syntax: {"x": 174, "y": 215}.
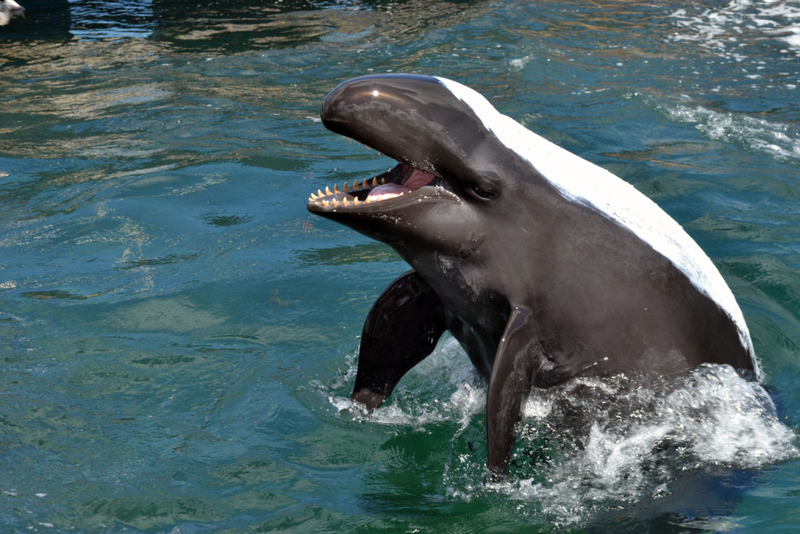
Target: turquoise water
{"x": 178, "y": 334}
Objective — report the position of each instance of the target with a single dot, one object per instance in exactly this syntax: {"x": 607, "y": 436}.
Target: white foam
{"x": 520, "y": 63}
{"x": 641, "y": 440}
{"x": 780, "y": 140}
{"x": 445, "y": 374}
{"x": 583, "y": 182}
{"x": 612, "y": 441}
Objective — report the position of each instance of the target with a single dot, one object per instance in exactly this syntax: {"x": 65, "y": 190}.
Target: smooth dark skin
{"x": 537, "y": 289}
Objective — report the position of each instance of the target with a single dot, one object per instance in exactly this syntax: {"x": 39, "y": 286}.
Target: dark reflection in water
{"x": 44, "y": 19}
{"x": 238, "y": 24}
{"x": 222, "y": 26}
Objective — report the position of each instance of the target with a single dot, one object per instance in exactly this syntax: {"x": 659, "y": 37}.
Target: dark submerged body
{"x": 537, "y": 288}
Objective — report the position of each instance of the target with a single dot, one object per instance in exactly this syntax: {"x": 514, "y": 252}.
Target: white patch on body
{"x": 586, "y": 183}
{"x": 8, "y": 10}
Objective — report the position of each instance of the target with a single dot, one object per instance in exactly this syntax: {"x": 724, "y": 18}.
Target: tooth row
{"x": 346, "y": 188}
{"x": 335, "y": 203}
{"x": 345, "y": 202}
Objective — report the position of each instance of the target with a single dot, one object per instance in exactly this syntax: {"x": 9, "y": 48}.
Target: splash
{"x": 446, "y": 374}
{"x": 592, "y": 447}
{"x": 624, "y": 442}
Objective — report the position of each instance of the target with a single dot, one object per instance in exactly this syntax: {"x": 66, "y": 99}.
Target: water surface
{"x": 178, "y": 335}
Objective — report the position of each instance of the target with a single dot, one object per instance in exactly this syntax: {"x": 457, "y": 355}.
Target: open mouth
{"x": 401, "y": 180}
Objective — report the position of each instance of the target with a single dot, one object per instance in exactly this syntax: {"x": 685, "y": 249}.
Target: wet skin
{"x": 536, "y": 286}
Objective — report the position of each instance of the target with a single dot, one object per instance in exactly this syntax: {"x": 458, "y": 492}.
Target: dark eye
{"x": 482, "y": 193}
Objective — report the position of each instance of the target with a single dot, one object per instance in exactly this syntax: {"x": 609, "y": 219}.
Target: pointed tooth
{"x": 346, "y": 187}
{"x": 310, "y": 199}
{"x": 336, "y": 188}
{"x": 374, "y": 182}
{"x": 383, "y": 181}
{"x": 344, "y": 201}
{"x": 365, "y": 185}
{"x": 325, "y": 203}
{"x": 356, "y": 202}
{"x": 320, "y": 194}
{"x": 328, "y": 190}
{"x": 335, "y": 203}
{"x": 313, "y": 196}
{"x": 369, "y": 200}
{"x": 355, "y": 184}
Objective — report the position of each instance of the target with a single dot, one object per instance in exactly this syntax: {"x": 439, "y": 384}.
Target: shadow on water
{"x": 698, "y": 502}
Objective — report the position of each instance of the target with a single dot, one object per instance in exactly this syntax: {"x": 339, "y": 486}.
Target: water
{"x": 178, "y": 335}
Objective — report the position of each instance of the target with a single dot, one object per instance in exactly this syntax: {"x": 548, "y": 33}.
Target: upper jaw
{"x": 394, "y": 187}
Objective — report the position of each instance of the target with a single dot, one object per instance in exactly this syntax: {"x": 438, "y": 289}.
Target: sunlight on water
{"x": 780, "y": 140}
{"x": 730, "y": 29}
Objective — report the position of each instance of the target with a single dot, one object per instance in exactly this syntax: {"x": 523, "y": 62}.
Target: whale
{"x": 542, "y": 265}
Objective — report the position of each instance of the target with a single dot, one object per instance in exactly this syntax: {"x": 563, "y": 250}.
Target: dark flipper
{"x": 511, "y": 382}
{"x": 401, "y": 330}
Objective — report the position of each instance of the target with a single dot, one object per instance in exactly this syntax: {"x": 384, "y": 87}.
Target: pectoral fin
{"x": 511, "y": 382}
{"x": 401, "y": 330}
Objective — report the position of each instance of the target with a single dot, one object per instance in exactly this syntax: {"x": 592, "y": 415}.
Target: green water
{"x": 178, "y": 334}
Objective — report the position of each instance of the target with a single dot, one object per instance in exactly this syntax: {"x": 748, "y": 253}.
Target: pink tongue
{"x": 414, "y": 181}
{"x": 418, "y": 179}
